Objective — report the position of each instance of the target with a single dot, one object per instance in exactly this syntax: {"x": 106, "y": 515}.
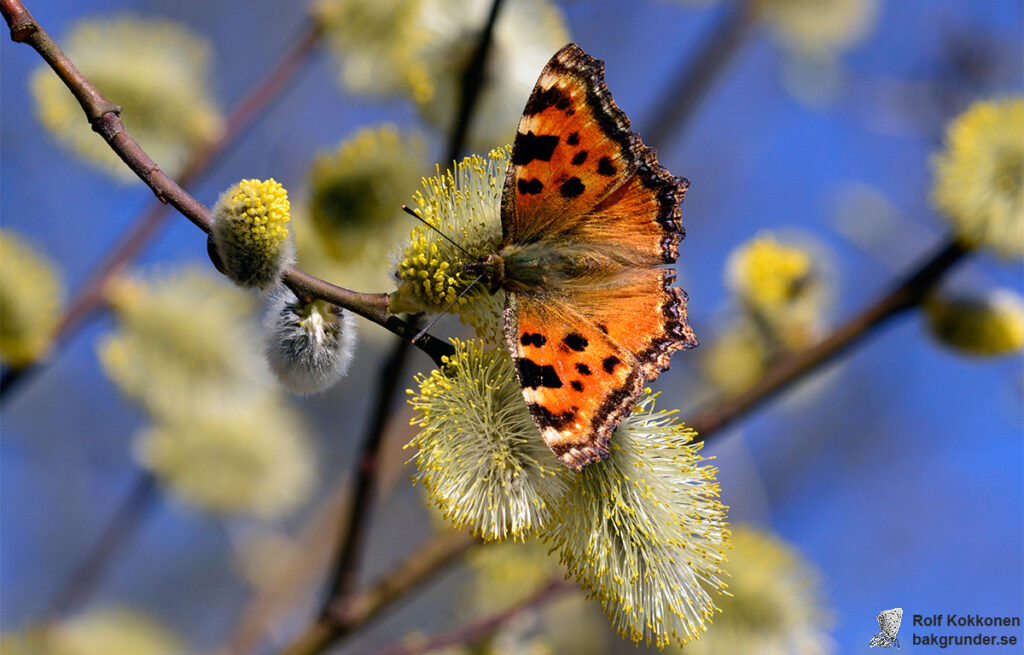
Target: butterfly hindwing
{"x": 657, "y": 325}
{"x": 576, "y": 381}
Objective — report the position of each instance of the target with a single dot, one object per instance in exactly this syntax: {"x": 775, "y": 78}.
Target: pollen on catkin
{"x": 465, "y": 205}
{"x": 157, "y": 71}
{"x": 989, "y": 324}
{"x": 102, "y": 631}
{"x": 357, "y": 190}
{"x": 780, "y": 279}
{"x": 30, "y": 299}
{"x": 309, "y": 345}
{"x": 979, "y": 176}
{"x": 250, "y": 231}
{"x": 478, "y": 452}
{"x": 644, "y": 531}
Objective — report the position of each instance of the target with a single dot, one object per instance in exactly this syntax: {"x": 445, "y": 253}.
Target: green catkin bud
{"x": 774, "y": 603}
{"x": 156, "y": 69}
{"x": 309, "y": 345}
{"x": 250, "y": 232}
{"x": 644, "y": 532}
{"x": 979, "y": 177}
{"x": 30, "y": 301}
{"x": 479, "y": 454}
{"x": 435, "y": 54}
{"x": 987, "y": 325}
{"x": 254, "y": 460}
{"x": 97, "y": 632}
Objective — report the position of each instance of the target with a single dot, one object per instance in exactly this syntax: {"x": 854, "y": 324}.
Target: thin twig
{"x": 90, "y": 297}
{"x": 313, "y": 548}
{"x": 105, "y": 119}
{"x": 78, "y": 586}
{"x": 906, "y": 294}
{"x": 352, "y": 536}
{"x": 697, "y": 73}
{"x": 472, "y": 82}
{"x": 344, "y": 575}
{"x": 484, "y": 626}
{"x": 427, "y": 561}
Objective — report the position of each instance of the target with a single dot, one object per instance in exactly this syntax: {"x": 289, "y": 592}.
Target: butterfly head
{"x": 491, "y": 270}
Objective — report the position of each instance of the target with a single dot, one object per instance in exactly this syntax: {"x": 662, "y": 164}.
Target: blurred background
{"x": 895, "y": 474}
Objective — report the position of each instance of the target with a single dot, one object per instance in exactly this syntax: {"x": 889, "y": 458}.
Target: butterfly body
{"x": 590, "y": 221}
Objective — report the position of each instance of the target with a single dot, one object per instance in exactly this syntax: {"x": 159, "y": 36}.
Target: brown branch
{"x": 484, "y": 626}
{"x": 106, "y": 120}
{"x": 696, "y": 74}
{"x": 342, "y": 619}
{"x": 90, "y": 297}
{"x": 353, "y": 535}
{"x": 906, "y": 294}
{"x": 343, "y": 578}
{"x": 472, "y": 82}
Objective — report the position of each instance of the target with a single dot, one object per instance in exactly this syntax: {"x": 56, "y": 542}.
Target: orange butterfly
{"x": 589, "y": 220}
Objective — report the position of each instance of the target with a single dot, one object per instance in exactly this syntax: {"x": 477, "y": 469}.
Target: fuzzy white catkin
{"x": 309, "y": 347}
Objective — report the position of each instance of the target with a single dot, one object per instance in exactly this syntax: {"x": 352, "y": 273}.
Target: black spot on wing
{"x": 609, "y": 363}
{"x": 532, "y": 146}
{"x": 582, "y": 369}
{"x": 577, "y": 385}
{"x": 541, "y": 100}
{"x": 545, "y": 418}
{"x": 532, "y": 376}
{"x": 575, "y": 341}
{"x": 573, "y": 139}
{"x": 531, "y": 187}
{"x": 602, "y": 327}
{"x": 605, "y": 167}
{"x": 535, "y": 339}
{"x": 572, "y": 188}
{"x": 579, "y": 157}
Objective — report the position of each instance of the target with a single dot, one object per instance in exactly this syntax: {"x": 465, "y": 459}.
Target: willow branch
{"x": 106, "y": 120}
{"x": 352, "y": 614}
{"x": 484, "y": 626}
{"x": 344, "y": 574}
{"x": 906, "y": 294}
{"x": 91, "y": 296}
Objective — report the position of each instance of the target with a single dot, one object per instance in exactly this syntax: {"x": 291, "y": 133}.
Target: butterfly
{"x": 590, "y": 223}
{"x": 889, "y": 621}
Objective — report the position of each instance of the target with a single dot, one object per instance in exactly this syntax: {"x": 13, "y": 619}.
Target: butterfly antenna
{"x": 445, "y": 311}
{"x": 419, "y": 218}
